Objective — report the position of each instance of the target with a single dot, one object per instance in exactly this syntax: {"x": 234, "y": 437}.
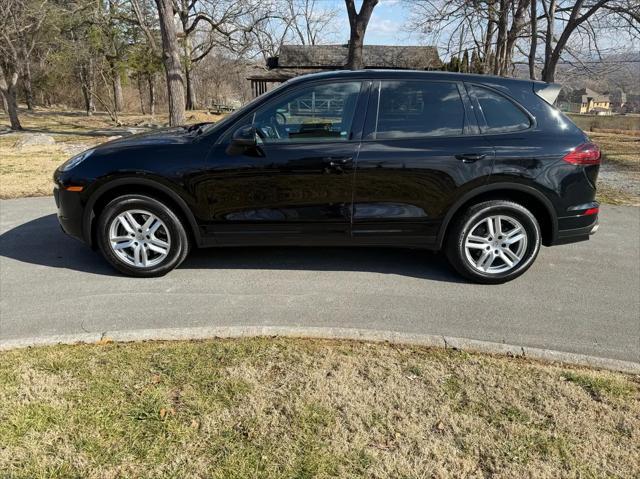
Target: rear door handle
{"x": 471, "y": 157}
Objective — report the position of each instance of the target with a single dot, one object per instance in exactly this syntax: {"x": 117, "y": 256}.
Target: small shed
{"x": 295, "y": 60}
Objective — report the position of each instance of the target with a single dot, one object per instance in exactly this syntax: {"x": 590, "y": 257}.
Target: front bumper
{"x": 70, "y": 212}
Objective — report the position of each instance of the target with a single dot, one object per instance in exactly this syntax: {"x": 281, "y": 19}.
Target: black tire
{"x": 172, "y": 227}
{"x": 467, "y": 222}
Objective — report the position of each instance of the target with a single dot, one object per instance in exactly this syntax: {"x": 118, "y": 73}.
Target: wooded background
{"x": 177, "y": 55}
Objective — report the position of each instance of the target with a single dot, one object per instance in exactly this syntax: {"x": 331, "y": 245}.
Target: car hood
{"x": 162, "y": 136}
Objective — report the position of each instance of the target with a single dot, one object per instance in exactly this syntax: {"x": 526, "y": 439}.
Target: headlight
{"x": 75, "y": 160}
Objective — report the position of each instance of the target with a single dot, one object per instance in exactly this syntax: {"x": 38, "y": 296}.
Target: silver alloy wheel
{"x": 495, "y": 244}
{"x": 139, "y": 238}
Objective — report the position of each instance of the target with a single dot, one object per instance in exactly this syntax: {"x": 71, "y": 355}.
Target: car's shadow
{"x": 41, "y": 242}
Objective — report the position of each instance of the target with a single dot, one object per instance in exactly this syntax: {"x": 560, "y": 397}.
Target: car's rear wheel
{"x": 141, "y": 236}
{"x": 493, "y": 241}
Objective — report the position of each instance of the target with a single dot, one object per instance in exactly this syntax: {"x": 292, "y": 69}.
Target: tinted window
{"x": 419, "y": 108}
{"x": 318, "y": 113}
{"x": 499, "y": 112}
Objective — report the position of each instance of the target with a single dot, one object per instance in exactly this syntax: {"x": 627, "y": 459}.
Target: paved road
{"x": 582, "y": 298}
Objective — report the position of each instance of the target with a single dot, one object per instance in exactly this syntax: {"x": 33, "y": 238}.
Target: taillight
{"x": 585, "y": 154}
{"x": 591, "y": 211}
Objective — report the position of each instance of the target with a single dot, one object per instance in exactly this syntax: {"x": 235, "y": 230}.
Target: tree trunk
{"x": 358, "y": 22}
{"x": 3, "y": 104}
{"x": 116, "y": 80}
{"x": 517, "y": 24}
{"x": 355, "y": 59}
{"x": 191, "y": 92}
{"x": 549, "y": 72}
{"x": 488, "y": 39}
{"x": 152, "y": 95}
{"x": 117, "y": 86}
{"x": 9, "y": 92}
{"x": 89, "y": 107}
{"x": 503, "y": 17}
{"x": 534, "y": 40}
{"x": 172, "y": 65}
{"x": 12, "y": 107}
{"x": 188, "y": 65}
{"x": 86, "y": 83}
{"x": 28, "y": 90}
{"x": 140, "y": 94}
{"x": 550, "y": 14}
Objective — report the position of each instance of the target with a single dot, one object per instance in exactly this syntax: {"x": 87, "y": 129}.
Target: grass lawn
{"x": 286, "y": 408}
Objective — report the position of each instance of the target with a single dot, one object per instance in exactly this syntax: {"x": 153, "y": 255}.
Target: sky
{"x": 386, "y": 26}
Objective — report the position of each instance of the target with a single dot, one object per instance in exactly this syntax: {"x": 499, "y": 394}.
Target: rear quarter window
{"x": 501, "y": 115}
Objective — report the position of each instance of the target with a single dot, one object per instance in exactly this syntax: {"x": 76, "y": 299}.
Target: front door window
{"x": 322, "y": 113}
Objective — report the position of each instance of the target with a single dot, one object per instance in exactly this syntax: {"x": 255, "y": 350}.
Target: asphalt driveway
{"x": 582, "y": 298}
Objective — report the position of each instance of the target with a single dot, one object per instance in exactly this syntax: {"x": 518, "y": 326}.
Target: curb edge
{"x": 429, "y": 340}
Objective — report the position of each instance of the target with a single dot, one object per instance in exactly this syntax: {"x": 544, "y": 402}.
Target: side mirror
{"x": 244, "y": 137}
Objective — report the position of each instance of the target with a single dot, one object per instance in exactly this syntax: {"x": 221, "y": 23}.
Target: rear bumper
{"x": 576, "y": 229}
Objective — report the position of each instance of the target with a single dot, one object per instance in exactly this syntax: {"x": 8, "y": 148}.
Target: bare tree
{"x": 172, "y": 64}
{"x": 144, "y": 57}
{"x": 358, "y": 22}
{"x": 114, "y": 46}
{"x": 534, "y": 39}
{"x": 518, "y": 22}
{"x": 170, "y": 53}
{"x": 8, "y": 81}
{"x": 80, "y": 42}
{"x": 311, "y": 22}
{"x": 306, "y": 22}
{"x": 497, "y": 30}
{"x": 87, "y": 84}
{"x": 573, "y": 17}
{"x": 20, "y": 24}
{"x": 489, "y": 28}
{"x": 207, "y": 24}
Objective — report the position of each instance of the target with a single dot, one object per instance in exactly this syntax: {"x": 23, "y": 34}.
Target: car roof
{"x": 408, "y": 74}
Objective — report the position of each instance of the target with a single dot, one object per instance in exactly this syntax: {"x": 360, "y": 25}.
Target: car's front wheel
{"x": 493, "y": 241}
{"x": 141, "y": 236}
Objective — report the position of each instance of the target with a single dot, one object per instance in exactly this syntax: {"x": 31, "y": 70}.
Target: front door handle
{"x": 336, "y": 163}
{"x": 471, "y": 157}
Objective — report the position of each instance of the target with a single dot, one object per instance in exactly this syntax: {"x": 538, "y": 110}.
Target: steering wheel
{"x": 281, "y": 115}
{"x": 277, "y": 128}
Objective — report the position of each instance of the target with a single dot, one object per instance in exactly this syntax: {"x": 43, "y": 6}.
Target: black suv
{"x": 482, "y": 167}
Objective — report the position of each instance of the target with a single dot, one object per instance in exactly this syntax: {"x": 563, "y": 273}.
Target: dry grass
{"x": 27, "y": 171}
{"x": 621, "y": 149}
{"x": 281, "y": 408}
{"x": 619, "y": 180}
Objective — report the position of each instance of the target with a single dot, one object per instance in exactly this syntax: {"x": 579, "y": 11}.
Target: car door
{"x": 421, "y": 150}
{"x": 296, "y": 185}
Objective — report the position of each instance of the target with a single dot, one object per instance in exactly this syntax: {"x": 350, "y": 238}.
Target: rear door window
{"x": 413, "y": 109}
{"x": 501, "y": 114}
